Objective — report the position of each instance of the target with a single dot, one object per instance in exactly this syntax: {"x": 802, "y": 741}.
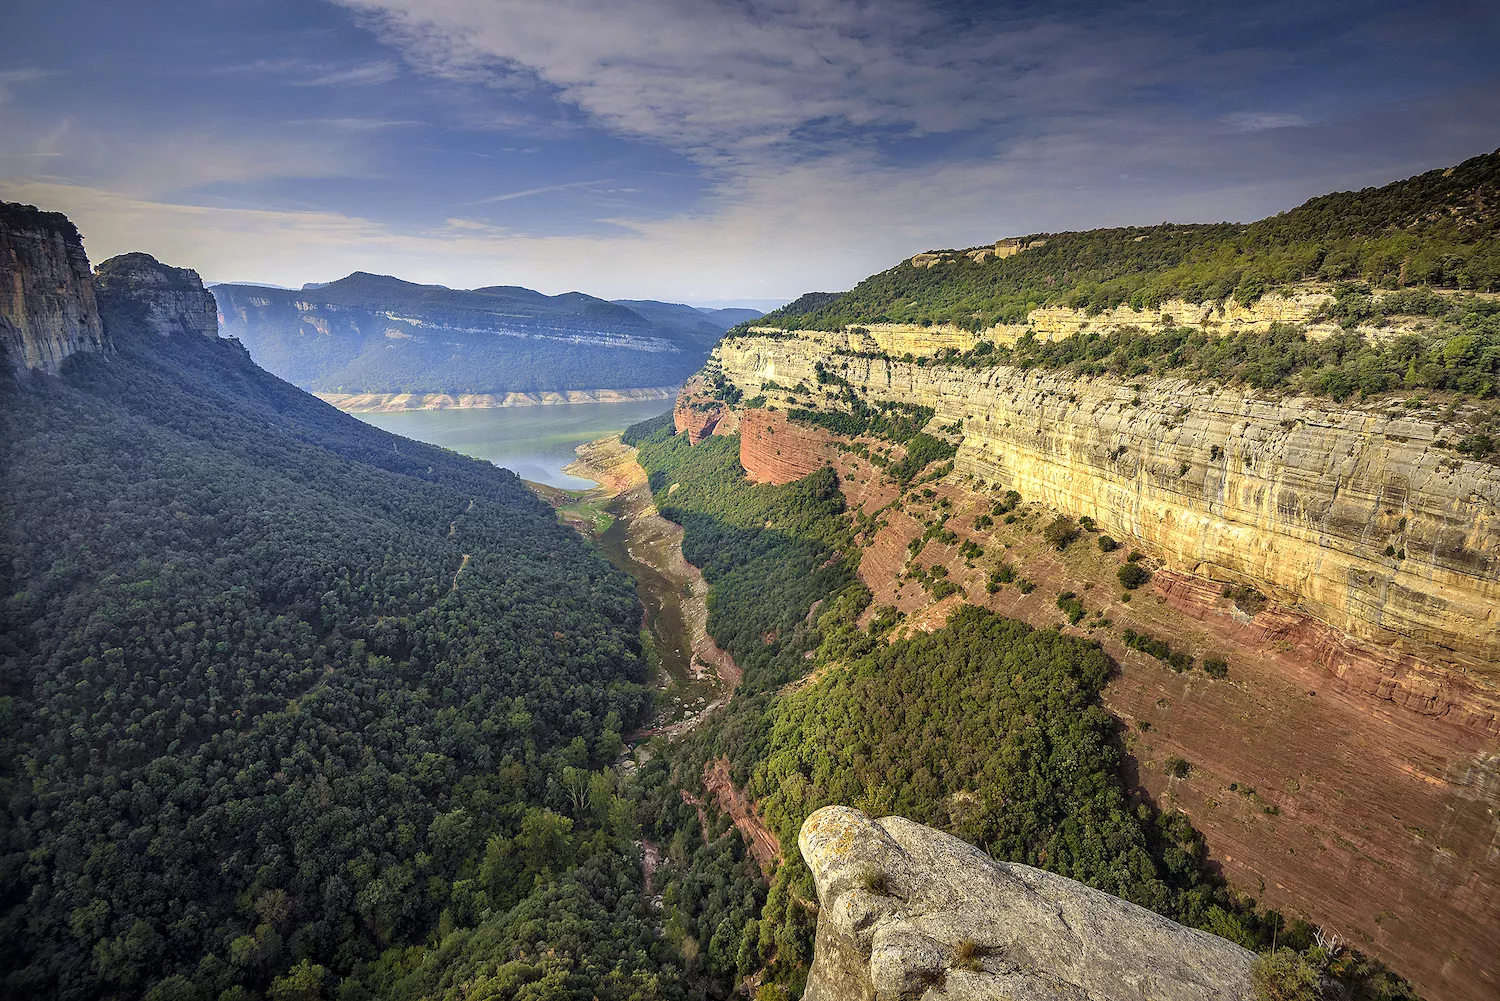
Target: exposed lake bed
{"x": 620, "y": 517}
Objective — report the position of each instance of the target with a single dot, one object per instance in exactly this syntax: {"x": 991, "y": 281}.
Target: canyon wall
{"x": 1346, "y": 771}
{"x": 1353, "y": 514}
{"x": 778, "y": 451}
{"x": 903, "y": 908}
{"x": 47, "y": 307}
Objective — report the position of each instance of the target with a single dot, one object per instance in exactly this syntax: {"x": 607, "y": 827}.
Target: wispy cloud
{"x": 10, "y": 78}
{"x": 713, "y": 76}
{"x": 361, "y": 75}
{"x": 1260, "y": 121}
{"x": 359, "y": 124}
{"x": 511, "y": 195}
{"x": 301, "y": 72}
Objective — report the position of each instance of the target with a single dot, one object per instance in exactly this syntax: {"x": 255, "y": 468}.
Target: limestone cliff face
{"x": 394, "y": 403}
{"x": 906, "y": 911}
{"x": 1302, "y": 497}
{"x": 47, "y": 308}
{"x": 140, "y": 296}
{"x": 1298, "y": 305}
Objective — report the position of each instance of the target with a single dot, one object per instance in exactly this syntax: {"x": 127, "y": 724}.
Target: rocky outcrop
{"x": 1008, "y": 247}
{"x": 696, "y": 417}
{"x": 1353, "y": 514}
{"x": 141, "y": 297}
{"x": 906, "y": 912}
{"x": 47, "y": 308}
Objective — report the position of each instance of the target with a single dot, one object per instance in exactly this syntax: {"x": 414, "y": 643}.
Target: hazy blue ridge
{"x": 378, "y": 334}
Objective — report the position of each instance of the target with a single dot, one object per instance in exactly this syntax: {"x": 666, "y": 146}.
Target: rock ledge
{"x": 897, "y": 900}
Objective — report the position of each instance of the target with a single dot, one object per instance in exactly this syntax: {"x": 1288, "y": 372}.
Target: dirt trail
{"x": 650, "y": 860}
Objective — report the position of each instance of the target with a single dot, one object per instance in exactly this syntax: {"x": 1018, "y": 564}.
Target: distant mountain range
{"x": 377, "y": 334}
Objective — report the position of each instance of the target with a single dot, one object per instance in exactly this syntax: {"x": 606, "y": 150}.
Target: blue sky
{"x": 701, "y": 151}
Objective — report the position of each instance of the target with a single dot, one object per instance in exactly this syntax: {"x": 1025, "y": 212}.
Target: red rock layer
{"x": 696, "y": 417}
{"x": 774, "y": 450}
{"x": 1333, "y": 780}
{"x": 763, "y": 844}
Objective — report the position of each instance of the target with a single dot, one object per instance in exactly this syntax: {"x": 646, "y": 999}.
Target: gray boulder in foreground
{"x": 907, "y": 912}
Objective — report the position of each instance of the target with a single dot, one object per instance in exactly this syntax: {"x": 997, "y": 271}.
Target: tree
{"x": 303, "y": 982}
{"x": 1061, "y": 531}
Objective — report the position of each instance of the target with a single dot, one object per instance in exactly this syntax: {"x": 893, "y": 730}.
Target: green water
{"x": 536, "y": 442}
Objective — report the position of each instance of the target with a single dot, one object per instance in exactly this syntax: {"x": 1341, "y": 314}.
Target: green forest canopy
{"x": 291, "y": 707}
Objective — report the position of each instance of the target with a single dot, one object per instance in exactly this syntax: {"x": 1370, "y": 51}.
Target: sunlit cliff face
{"x": 1301, "y": 495}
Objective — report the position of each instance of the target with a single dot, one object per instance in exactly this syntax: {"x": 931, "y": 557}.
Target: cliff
{"x": 47, "y": 308}
{"x": 1303, "y": 305}
{"x": 907, "y": 911}
{"x": 141, "y": 297}
{"x": 774, "y": 450}
{"x": 390, "y": 403}
{"x": 1302, "y": 497}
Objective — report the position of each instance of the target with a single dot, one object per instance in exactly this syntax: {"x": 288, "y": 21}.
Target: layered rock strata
{"x": 699, "y": 416}
{"x": 906, "y": 911}
{"x": 1353, "y": 514}
{"x": 1300, "y": 305}
{"x": 47, "y": 307}
{"x": 1319, "y": 793}
{"x": 390, "y": 403}
{"x": 774, "y": 450}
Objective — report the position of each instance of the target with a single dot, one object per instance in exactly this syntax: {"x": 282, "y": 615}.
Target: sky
{"x": 707, "y": 150}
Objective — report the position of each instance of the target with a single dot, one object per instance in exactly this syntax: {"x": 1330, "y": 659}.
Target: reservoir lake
{"x": 536, "y": 442}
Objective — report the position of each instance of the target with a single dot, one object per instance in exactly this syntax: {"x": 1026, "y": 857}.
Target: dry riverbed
{"x": 693, "y": 674}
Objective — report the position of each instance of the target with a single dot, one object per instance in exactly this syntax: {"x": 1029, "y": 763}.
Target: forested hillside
{"x": 1436, "y": 229}
{"x": 284, "y": 697}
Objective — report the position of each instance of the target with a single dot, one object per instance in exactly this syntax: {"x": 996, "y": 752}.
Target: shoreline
{"x": 393, "y": 403}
